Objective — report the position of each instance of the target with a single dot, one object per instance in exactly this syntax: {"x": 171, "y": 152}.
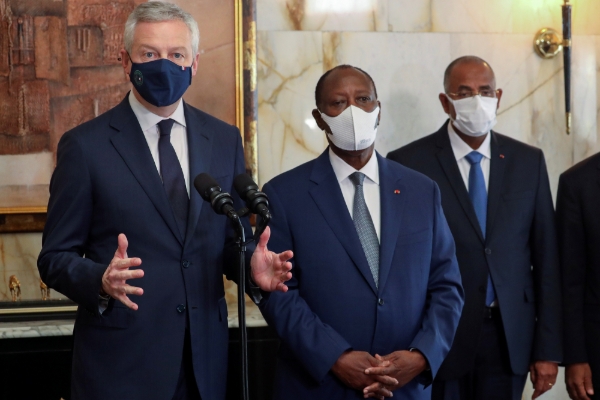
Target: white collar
{"x": 343, "y": 170}
{"x": 148, "y": 119}
{"x": 461, "y": 149}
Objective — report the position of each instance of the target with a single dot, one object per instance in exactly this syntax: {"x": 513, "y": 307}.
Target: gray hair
{"x": 158, "y": 11}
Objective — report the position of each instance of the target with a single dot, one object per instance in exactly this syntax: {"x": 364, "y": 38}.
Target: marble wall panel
{"x": 322, "y": 15}
{"x": 289, "y": 66}
{"x": 464, "y": 16}
{"x": 18, "y": 256}
{"x": 410, "y": 16}
{"x": 408, "y": 70}
{"x": 511, "y": 16}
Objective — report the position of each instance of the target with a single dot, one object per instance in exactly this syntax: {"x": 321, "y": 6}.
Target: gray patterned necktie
{"x": 364, "y": 226}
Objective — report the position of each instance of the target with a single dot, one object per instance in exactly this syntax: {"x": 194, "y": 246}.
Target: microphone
{"x": 256, "y": 201}
{"x": 209, "y": 189}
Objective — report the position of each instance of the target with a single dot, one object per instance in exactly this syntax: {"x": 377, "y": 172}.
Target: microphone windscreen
{"x": 203, "y": 182}
{"x": 242, "y": 183}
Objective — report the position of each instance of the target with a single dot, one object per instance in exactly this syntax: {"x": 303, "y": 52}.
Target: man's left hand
{"x": 270, "y": 270}
{"x": 404, "y": 366}
{"x": 543, "y": 376}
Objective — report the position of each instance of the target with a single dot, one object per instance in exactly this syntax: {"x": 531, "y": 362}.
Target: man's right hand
{"x": 578, "y": 378}
{"x": 114, "y": 279}
{"x": 350, "y": 369}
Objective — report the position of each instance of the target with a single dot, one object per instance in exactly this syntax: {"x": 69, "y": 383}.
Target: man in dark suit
{"x": 123, "y": 180}
{"x": 496, "y": 196}
{"x": 376, "y": 293}
{"x": 578, "y": 218}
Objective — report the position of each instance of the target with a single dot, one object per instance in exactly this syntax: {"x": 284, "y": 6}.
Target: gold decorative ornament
{"x": 548, "y": 43}
{"x": 15, "y": 288}
{"x": 45, "y": 290}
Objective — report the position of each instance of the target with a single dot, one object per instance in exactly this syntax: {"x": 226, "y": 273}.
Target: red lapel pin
{"x": 397, "y": 191}
{"x": 501, "y": 155}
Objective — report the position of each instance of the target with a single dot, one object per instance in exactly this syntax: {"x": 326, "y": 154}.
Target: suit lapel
{"x": 131, "y": 145}
{"x": 199, "y": 150}
{"x": 497, "y": 167}
{"x": 392, "y": 205}
{"x": 328, "y": 197}
{"x": 447, "y": 160}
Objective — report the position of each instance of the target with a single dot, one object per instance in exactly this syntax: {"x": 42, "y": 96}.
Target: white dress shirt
{"x": 370, "y": 186}
{"x": 148, "y": 122}
{"x": 461, "y": 149}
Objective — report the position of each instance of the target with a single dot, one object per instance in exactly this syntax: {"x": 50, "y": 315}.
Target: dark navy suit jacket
{"x": 333, "y": 304}
{"x": 519, "y": 249}
{"x": 106, "y": 183}
{"x": 577, "y": 209}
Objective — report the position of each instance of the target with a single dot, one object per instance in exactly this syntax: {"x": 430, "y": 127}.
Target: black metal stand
{"x": 567, "y": 49}
{"x": 241, "y": 247}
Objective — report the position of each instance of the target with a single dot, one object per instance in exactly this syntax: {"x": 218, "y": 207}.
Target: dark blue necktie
{"x": 172, "y": 175}
{"x": 478, "y": 195}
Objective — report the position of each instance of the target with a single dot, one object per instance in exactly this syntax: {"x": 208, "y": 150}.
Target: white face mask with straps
{"x": 353, "y": 129}
{"x": 476, "y": 115}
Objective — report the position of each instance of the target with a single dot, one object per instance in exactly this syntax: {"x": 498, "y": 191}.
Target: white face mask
{"x": 475, "y": 116}
{"x": 353, "y": 129}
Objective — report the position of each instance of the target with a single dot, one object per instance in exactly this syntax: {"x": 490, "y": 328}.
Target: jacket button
{"x": 381, "y": 302}
{"x": 185, "y": 263}
{"x": 180, "y": 308}
{"x": 482, "y": 289}
{"x": 488, "y": 251}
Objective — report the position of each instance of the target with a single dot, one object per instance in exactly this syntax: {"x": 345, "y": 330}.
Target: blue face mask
{"x": 160, "y": 82}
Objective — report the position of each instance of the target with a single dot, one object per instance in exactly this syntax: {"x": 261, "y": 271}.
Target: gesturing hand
{"x": 114, "y": 279}
{"x": 270, "y": 270}
{"x": 578, "y": 378}
{"x": 350, "y": 369}
{"x": 543, "y": 376}
{"x": 403, "y": 365}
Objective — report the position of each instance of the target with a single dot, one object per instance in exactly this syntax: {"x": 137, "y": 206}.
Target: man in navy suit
{"x": 496, "y": 196}
{"x": 376, "y": 293}
{"x": 579, "y": 238}
{"x": 123, "y": 180}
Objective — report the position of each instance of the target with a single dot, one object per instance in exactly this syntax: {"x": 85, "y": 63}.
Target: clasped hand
{"x": 269, "y": 271}
{"x": 377, "y": 377}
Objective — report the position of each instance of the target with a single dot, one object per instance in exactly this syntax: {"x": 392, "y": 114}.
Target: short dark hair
{"x": 462, "y": 60}
{"x": 321, "y": 82}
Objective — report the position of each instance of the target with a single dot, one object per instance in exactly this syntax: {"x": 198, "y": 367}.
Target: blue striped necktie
{"x": 478, "y": 195}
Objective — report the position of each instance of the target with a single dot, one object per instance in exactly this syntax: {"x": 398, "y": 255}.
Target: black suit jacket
{"x": 106, "y": 183}
{"x": 519, "y": 249}
{"x": 578, "y": 214}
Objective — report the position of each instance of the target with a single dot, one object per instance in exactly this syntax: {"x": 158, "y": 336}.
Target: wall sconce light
{"x": 548, "y": 43}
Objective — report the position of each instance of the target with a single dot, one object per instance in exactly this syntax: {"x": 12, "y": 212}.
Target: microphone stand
{"x": 241, "y": 250}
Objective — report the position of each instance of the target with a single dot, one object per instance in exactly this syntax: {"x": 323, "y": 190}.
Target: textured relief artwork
{"x": 58, "y": 69}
